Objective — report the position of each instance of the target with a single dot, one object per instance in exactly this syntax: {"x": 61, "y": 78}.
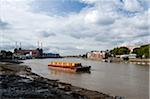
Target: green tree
{"x": 123, "y": 50}
{"x": 9, "y": 54}
{"x": 143, "y": 50}
{"x": 120, "y": 51}
{"x": 3, "y": 52}
{"x": 138, "y": 52}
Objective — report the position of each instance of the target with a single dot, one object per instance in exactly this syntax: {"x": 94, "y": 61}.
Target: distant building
{"x": 99, "y": 55}
{"x": 51, "y": 55}
{"x": 128, "y": 56}
{"x": 34, "y": 53}
{"x": 131, "y": 47}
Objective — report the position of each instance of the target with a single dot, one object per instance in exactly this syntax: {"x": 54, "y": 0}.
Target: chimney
{"x": 41, "y": 45}
{"x": 16, "y": 44}
{"x": 38, "y": 44}
{"x": 20, "y": 45}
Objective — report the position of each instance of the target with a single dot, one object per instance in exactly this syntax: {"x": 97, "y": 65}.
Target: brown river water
{"x": 127, "y": 80}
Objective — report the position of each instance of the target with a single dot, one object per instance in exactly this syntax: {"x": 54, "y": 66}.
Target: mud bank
{"x": 17, "y": 81}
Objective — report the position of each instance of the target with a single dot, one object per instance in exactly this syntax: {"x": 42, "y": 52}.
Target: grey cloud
{"x": 25, "y": 46}
{"x": 105, "y": 21}
{"x": 76, "y": 35}
{"x": 117, "y": 42}
{"x": 109, "y": 40}
{"x": 45, "y": 34}
{"x": 104, "y": 36}
{"x": 61, "y": 47}
{"x": 136, "y": 41}
{"x": 3, "y": 25}
{"x": 8, "y": 45}
{"x": 104, "y": 39}
{"x": 83, "y": 33}
{"x": 68, "y": 48}
{"x": 142, "y": 27}
{"x": 145, "y": 34}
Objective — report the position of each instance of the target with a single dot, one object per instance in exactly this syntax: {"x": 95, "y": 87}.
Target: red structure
{"x": 34, "y": 53}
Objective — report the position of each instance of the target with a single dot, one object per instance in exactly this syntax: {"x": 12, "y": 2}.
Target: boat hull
{"x": 76, "y": 69}
{"x": 83, "y": 69}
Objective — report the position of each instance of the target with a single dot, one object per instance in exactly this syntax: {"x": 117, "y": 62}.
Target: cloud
{"x": 133, "y": 5}
{"x": 82, "y": 25}
{"x": 3, "y": 25}
{"x": 95, "y": 17}
{"x": 45, "y": 34}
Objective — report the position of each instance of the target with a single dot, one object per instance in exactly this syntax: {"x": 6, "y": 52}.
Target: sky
{"x": 72, "y": 27}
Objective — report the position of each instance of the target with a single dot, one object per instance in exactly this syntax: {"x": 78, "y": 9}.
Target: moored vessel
{"x": 69, "y": 66}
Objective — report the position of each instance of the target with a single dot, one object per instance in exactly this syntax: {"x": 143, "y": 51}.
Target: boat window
{"x": 77, "y": 64}
{"x": 67, "y": 64}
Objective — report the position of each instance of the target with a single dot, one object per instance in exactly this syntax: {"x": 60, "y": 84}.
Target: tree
{"x": 120, "y": 51}
{"x": 6, "y": 54}
{"x": 9, "y": 54}
{"x": 3, "y": 52}
{"x": 123, "y": 50}
{"x": 15, "y": 50}
{"x": 137, "y": 51}
{"x": 142, "y": 51}
{"x": 84, "y": 56}
{"x": 145, "y": 50}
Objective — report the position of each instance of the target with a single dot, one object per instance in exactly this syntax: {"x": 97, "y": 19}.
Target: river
{"x": 127, "y": 80}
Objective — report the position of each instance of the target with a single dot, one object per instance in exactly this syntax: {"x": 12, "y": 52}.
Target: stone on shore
{"x": 17, "y": 81}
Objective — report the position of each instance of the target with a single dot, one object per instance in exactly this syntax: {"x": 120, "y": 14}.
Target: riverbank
{"x": 145, "y": 62}
{"x": 18, "y": 81}
{"x": 131, "y": 61}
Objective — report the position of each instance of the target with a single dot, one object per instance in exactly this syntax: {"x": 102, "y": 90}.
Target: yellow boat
{"x": 69, "y": 66}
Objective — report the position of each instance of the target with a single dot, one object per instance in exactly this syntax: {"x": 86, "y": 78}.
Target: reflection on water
{"x": 61, "y": 72}
{"x": 126, "y": 80}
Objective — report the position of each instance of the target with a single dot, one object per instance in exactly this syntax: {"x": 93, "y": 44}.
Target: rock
{"x": 18, "y": 81}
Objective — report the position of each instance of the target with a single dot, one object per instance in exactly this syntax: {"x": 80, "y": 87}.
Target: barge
{"x": 69, "y": 66}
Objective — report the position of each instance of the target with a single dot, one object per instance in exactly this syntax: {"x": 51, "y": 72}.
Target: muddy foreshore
{"x": 17, "y": 81}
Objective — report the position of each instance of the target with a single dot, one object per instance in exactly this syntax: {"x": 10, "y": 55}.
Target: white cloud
{"x": 132, "y": 5}
{"x": 95, "y": 17}
{"x": 97, "y": 27}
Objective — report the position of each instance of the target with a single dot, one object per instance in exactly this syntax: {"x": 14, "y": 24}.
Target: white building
{"x": 128, "y": 55}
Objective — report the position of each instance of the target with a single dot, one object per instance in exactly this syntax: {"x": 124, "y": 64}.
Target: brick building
{"x": 34, "y": 53}
{"x": 99, "y": 55}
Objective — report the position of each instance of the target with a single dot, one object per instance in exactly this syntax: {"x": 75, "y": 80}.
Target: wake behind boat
{"x": 69, "y": 66}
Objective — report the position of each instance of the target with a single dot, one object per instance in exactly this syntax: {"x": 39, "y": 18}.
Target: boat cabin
{"x": 68, "y": 64}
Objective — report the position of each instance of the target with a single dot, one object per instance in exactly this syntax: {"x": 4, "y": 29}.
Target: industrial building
{"x": 35, "y": 53}
{"x": 51, "y": 55}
